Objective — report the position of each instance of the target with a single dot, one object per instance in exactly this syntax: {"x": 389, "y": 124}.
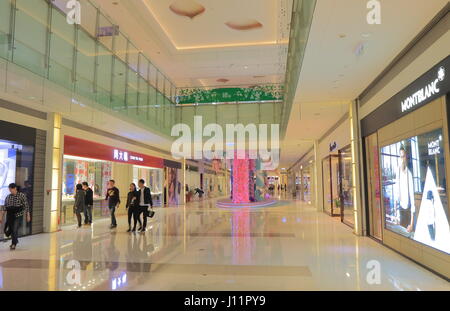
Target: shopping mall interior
{"x": 198, "y": 145}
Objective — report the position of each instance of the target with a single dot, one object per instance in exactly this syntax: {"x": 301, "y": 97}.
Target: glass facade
{"x": 374, "y": 187}
{"x": 414, "y": 189}
{"x": 346, "y": 187}
{"x": 96, "y": 173}
{"x": 16, "y": 166}
{"x": 97, "y": 63}
{"x": 153, "y": 178}
{"x": 330, "y": 183}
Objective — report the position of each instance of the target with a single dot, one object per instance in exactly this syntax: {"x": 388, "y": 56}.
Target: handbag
{"x": 150, "y": 213}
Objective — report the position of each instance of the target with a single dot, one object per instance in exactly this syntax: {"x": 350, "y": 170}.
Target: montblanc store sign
{"x": 424, "y": 93}
{"x": 433, "y": 84}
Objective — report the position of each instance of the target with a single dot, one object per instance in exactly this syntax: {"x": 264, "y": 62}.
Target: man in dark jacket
{"x": 89, "y": 203}
{"x": 144, "y": 200}
{"x": 113, "y": 197}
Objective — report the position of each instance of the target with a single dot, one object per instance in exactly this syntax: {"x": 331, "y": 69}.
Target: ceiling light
{"x": 366, "y": 34}
{"x": 246, "y": 67}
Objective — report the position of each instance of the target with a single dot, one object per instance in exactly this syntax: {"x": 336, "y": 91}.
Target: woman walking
{"x": 16, "y": 205}
{"x": 133, "y": 210}
{"x": 79, "y": 206}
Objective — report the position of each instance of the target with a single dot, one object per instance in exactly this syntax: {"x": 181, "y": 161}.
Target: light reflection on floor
{"x": 202, "y": 247}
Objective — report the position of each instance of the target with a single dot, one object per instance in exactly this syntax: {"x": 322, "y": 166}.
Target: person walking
{"x": 16, "y": 205}
{"x": 80, "y": 203}
{"x": 89, "y": 203}
{"x": 144, "y": 202}
{"x": 133, "y": 209}
{"x": 113, "y": 198}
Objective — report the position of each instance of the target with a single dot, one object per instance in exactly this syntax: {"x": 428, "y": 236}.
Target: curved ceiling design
{"x": 189, "y": 8}
{"x": 244, "y": 24}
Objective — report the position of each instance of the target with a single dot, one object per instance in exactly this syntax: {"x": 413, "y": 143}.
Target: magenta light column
{"x": 241, "y": 181}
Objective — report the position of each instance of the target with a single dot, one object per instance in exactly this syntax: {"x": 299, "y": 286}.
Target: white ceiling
{"x": 198, "y": 51}
{"x": 333, "y": 75}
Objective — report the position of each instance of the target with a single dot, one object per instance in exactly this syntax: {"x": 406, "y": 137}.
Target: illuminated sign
{"x": 333, "y": 146}
{"x": 434, "y": 147}
{"x": 125, "y": 156}
{"x": 424, "y": 93}
{"x": 87, "y": 149}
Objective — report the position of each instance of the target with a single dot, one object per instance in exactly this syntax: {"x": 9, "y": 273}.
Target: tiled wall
{"x": 38, "y": 188}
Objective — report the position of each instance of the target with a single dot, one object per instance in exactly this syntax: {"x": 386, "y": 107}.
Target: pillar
{"x": 357, "y": 170}
{"x": 317, "y": 171}
{"x": 53, "y": 175}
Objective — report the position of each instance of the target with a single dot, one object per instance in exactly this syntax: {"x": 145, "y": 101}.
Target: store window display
{"x": 76, "y": 171}
{"x": 414, "y": 189}
{"x": 346, "y": 186}
{"x": 154, "y": 180}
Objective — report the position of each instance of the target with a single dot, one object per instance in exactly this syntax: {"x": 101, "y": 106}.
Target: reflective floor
{"x": 201, "y": 247}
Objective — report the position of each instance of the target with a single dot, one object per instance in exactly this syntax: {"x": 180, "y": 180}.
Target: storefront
{"x": 330, "y": 182}
{"x": 346, "y": 187}
{"x": 407, "y": 165}
{"x": 22, "y": 161}
{"x": 96, "y": 164}
{"x": 305, "y": 184}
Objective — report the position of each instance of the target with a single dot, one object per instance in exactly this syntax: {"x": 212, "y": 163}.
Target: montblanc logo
{"x": 441, "y": 74}
{"x": 425, "y": 92}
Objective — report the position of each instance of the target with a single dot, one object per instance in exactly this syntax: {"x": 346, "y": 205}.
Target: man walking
{"x": 145, "y": 201}
{"x": 16, "y": 205}
{"x": 113, "y": 198}
{"x": 89, "y": 203}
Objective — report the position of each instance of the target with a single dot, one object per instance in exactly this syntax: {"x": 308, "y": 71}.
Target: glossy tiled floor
{"x": 201, "y": 247}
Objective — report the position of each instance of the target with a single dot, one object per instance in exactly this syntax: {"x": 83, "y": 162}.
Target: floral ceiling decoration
{"x": 258, "y": 93}
{"x": 189, "y": 8}
{"x": 244, "y": 24}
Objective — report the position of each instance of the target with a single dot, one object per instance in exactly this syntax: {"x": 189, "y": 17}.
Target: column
{"x": 357, "y": 169}
{"x": 53, "y": 176}
{"x": 318, "y": 191}
{"x": 183, "y": 184}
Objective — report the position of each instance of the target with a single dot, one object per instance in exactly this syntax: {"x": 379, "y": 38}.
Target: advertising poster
{"x": 415, "y": 191}
{"x": 172, "y": 182}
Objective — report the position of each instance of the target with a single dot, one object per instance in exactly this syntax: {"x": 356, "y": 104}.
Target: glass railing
{"x": 93, "y": 59}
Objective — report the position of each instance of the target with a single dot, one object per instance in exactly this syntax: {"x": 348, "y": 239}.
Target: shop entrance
{"x": 373, "y": 187}
{"x": 346, "y": 186}
{"x": 331, "y": 195}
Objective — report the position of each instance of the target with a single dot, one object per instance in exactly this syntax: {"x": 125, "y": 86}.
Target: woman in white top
{"x": 405, "y": 201}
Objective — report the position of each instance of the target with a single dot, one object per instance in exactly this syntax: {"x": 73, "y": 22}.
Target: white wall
{"x": 433, "y": 55}
{"x": 341, "y": 136}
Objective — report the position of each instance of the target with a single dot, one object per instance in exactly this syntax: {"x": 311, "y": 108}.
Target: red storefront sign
{"x": 88, "y": 149}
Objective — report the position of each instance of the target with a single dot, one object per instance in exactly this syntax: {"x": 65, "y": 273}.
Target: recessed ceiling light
{"x": 366, "y": 34}
{"x": 246, "y": 67}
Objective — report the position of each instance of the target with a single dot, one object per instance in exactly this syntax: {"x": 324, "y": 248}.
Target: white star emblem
{"x": 441, "y": 74}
